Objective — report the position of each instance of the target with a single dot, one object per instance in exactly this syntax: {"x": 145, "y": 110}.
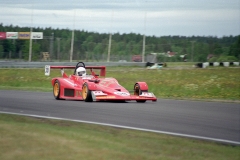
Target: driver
{"x": 81, "y": 71}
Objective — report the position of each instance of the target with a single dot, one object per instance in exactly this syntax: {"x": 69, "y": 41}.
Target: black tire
{"x": 56, "y": 90}
{"x": 86, "y": 93}
{"x": 138, "y": 91}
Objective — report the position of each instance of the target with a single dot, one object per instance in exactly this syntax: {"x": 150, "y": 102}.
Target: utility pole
{"x": 109, "y": 47}
{"x": 192, "y": 50}
{"x": 72, "y": 41}
{"x": 110, "y": 40}
{"x": 143, "y": 49}
{"x": 30, "y": 46}
{"x": 30, "y": 43}
{"x": 51, "y": 46}
{"x": 58, "y": 49}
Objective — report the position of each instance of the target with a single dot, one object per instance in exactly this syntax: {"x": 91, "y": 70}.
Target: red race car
{"x": 93, "y": 87}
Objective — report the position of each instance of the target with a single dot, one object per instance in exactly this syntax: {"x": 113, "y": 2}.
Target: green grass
{"x": 34, "y": 138}
{"x": 213, "y": 83}
{"x": 175, "y": 82}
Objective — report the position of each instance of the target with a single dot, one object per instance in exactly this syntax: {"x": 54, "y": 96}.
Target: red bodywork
{"x": 102, "y": 89}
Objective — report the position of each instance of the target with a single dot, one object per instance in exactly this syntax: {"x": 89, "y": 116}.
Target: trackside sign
{"x": 23, "y": 35}
{"x": 37, "y": 35}
{"x": 27, "y": 35}
{"x": 12, "y": 35}
{"x": 2, "y": 35}
{"x": 47, "y": 70}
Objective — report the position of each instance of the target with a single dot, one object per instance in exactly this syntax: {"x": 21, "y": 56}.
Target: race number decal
{"x": 98, "y": 93}
{"x": 122, "y": 93}
{"x": 146, "y": 94}
{"x": 47, "y": 70}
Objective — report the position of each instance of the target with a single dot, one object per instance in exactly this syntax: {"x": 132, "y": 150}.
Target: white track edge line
{"x": 127, "y": 127}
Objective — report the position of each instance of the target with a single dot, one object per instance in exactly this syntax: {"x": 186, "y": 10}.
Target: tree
{"x": 1, "y": 51}
{"x": 217, "y": 50}
{"x": 36, "y": 53}
{"x": 90, "y": 44}
{"x": 235, "y": 49}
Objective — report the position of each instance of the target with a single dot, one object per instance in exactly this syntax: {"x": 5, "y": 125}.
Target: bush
{"x": 223, "y": 59}
{"x": 227, "y": 59}
{"x": 213, "y": 59}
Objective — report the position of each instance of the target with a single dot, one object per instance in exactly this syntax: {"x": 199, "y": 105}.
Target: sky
{"x": 146, "y": 17}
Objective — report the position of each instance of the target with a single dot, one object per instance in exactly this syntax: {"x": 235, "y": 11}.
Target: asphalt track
{"x": 217, "y": 121}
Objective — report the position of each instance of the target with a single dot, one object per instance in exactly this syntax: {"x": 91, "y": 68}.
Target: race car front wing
{"x": 100, "y": 96}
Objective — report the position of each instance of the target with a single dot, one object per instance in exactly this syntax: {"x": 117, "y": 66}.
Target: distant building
{"x": 210, "y": 56}
{"x": 137, "y": 58}
{"x": 171, "y": 54}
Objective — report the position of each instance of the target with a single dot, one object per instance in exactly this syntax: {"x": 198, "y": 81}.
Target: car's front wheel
{"x": 86, "y": 93}
{"x": 56, "y": 90}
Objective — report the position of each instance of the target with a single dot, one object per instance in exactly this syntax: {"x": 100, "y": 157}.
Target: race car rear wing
{"x": 48, "y": 68}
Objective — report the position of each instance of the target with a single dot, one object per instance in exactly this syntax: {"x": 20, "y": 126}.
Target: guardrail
{"x": 16, "y": 64}
{"x": 216, "y": 64}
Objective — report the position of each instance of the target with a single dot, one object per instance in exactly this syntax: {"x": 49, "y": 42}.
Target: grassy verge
{"x": 172, "y": 82}
{"x": 33, "y": 138}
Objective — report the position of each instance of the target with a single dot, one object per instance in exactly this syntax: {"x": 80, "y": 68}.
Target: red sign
{"x": 2, "y": 35}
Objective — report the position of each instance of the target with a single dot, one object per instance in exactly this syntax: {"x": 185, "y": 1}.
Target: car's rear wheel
{"x": 86, "y": 93}
{"x": 56, "y": 90}
{"x": 138, "y": 91}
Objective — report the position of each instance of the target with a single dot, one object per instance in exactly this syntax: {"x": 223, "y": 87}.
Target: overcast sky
{"x": 150, "y": 17}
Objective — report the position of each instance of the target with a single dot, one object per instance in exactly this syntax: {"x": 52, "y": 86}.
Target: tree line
{"x": 94, "y": 46}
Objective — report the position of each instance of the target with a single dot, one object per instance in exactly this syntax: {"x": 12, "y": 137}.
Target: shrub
{"x": 213, "y": 59}
{"x": 227, "y": 59}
